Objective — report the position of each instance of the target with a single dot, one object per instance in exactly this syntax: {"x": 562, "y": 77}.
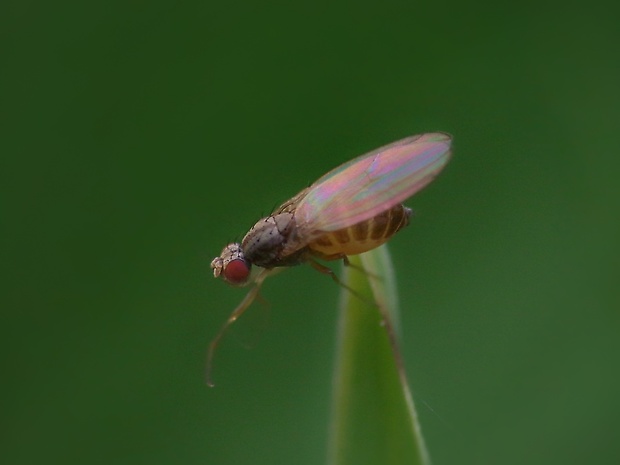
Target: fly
{"x": 354, "y": 208}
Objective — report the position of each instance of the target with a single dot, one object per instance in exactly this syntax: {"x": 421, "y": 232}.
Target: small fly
{"x": 354, "y": 208}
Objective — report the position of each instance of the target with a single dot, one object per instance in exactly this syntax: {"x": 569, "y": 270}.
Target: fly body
{"x": 361, "y": 237}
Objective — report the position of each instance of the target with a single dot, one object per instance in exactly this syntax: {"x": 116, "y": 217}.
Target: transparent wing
{"x": 372, "y": 183}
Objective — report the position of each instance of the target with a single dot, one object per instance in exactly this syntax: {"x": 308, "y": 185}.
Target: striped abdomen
{"x": 361, "y": 237}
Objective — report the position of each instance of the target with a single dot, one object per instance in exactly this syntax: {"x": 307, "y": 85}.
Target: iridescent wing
{"x": 370, "y": 184}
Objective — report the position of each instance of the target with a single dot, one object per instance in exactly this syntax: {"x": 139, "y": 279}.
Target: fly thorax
{"x": 263, "y": 244}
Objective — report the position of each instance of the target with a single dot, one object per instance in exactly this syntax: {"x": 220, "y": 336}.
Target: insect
{"x": 350, "y": 210}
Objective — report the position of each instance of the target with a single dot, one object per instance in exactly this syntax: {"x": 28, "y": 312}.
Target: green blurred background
{"x": 139, "y": 137}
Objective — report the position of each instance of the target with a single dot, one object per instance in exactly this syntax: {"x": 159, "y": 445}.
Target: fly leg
{"x": 345, "y": 261}
{"x": 361, "y": 269}
{"x": 236, "y": 313}
{"x": 328, "y": 271}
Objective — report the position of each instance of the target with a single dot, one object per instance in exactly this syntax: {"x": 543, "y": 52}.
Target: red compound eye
{"x": 237, "y": 271}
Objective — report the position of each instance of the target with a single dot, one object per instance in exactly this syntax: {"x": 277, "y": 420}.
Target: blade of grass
{"x": 373, "y": 416}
